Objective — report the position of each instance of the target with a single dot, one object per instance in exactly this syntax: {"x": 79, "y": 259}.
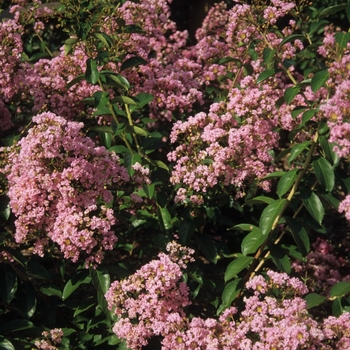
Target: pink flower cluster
{"x": 51, "y": 339}
{"x": 60, "y": 189}
{"x": 151, "y": 301}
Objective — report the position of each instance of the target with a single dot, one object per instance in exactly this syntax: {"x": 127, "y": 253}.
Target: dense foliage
{"x": 163, "y": 193}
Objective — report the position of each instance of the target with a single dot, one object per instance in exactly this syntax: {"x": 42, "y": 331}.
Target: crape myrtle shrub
{"x": 160, "y": 194}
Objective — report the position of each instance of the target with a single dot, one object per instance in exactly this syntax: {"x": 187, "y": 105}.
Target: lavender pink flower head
{"x": 60, "y": 189}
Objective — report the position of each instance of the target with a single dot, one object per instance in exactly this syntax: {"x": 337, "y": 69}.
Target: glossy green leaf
{"x": 207, "y": 247}
{"x": 259, "y": 199}
{"x": 268, "y": 57}
{"x": 314, "y": 299}
{"x": 292, "y": 38}
{"x": 27, "y": 300}
{"x": 144, "y": 98}
{"x": 9, "y": 284}
{"x": 236, "y": 266}
{"x": 269, "y": 215}
{"x": 132, "y": 62}
{"x": 230, "y": 59}
{"x": 337, "y": 308}
{"x": 313, "y": 204}
{"x": 324, "y": 173}
{"x": 104, "y": 38}
{"x": 136, "y": 130}
{"x": 124, "y": 100}
{"x": 299, "y": 234}
{"x": 118, "y": 79}
{"x": 100, "y": 279}
{"x": 286, "y": 182}
{"x": 297, "y": 111}
{"x": 51, "y": 290}
{"x": 265, "y": 75}
{"x": 230, "y": 293}
{"x": 91, "y": 74}
{"x": 274, "y": 175}
{"x": 164, "y": 219}
{"x": 340, "y": 289}
{"x": 319, "y": 80}
{"x": 297, "y": 149}
{"x": 328, "y": 147}
{"x": 308, "y": 115}
{"x": 15, "y": 325}
{"x": 331, "y": 200}
{"x": 244, "y": 227}
{"x": 76, "y": 80}
{"x": 331, "y": 10}
{"x": 101, "y": 128}
{"x": 290, "y": 93}
{"x": 5, "y": 344}
{"x": 85, "y": 305}
{"x": 186, "y": 230}
{"x": 342, "y": 39}
{"x": 80, "y": 277}
{"x": 280, "y": 258}
{"x": 252, "y": 241}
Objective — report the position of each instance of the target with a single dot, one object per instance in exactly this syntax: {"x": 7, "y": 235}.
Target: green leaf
{"x": 236, "y": 266}
{"x": 308, "y": 115}
{"x": 331, "y": 200}
{"x": 337, "y": 308}
{"x": 84, "y": 305}
{"x": 118, "y": 149}
{"x": 230, "y": 59}
{"x": 314, "y": 299}
{"x": 324, "y": 173}
{"x": 269, "y": 215}
{"x": 243, "y": 227}
{"x": 313, "y": 205}
{"x": 186, "y": 230}
{"x": 81, "y": 277}
{"x": 37, "y": 270}
{"x": 291, "y": 38}
{"x": 280, "y": 258}
{"x": 101, "y": 128}
{"x": 290, "y": 93}
{"x": 136, "y": 130}
{"x": 118, "y": 79}
{"x": 342, "y": 39}
{"x": 297, "y": 149}
{"x": 144, "y": 98}
{"x": 230, "y": 293}
{"x": 286, "y": 182}
{"x": 207, "y": 247}
{"x": 319, "y": 79}
{"x": 76, "y": 80}
{"x": 339, "y": 290}
{"x": 259, "y": 199}
{"x": 331, "y": 10}
{"x": 27, "y": 300}
{"x": 100, "y": 279}
{"x": 297, "y": 110}
{"x": 104, "y": 38}
{"x": 51, "y": 290}
{"x": 274, "y": 175}
{"x": 15, "y": 325}
{"x": 124, "y": 100}
{"x": 252, "y": 241}
{"x": 265, "y": 75}
{"x": 5, "y": 344}
{"x": 9, "y": 284}
{"x": 268, "y": 56}
{"x": 327, "y": 147}
{"x": 164, "y": 218}
{"x": 91, "y": 74}
{"x": 299, "y": 234}
{"x": 132, "y": 62}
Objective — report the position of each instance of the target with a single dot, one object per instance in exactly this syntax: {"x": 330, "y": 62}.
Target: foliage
{"x": 119, "y": 137}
